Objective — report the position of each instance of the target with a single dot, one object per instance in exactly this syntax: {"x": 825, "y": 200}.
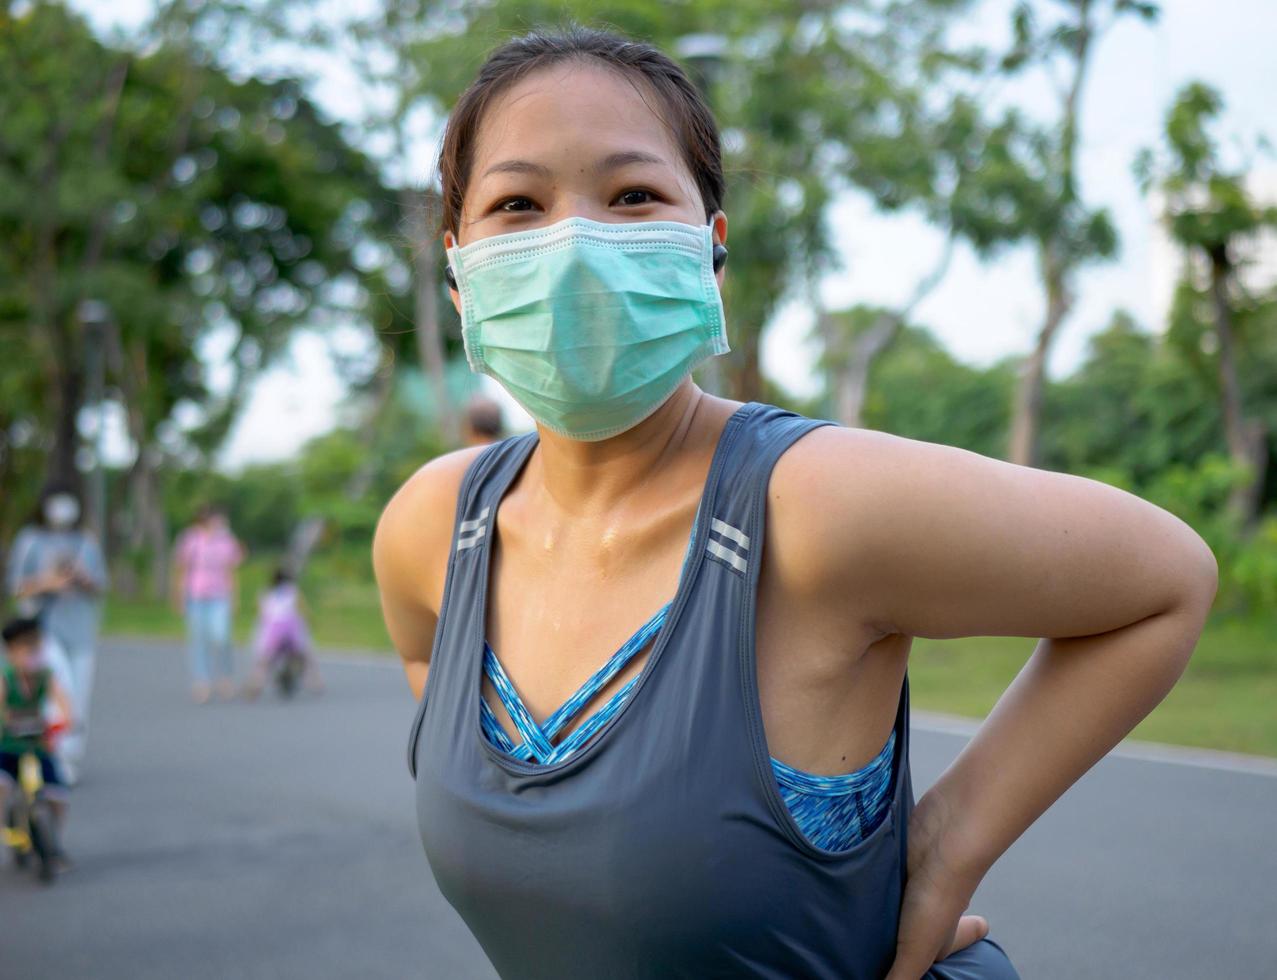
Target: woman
{"x": 730, "y": 796}
{"x": 57, "y": 575}
{"x": 207, "y": 555}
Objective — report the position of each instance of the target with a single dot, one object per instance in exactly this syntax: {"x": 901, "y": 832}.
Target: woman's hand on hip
{"x": 940, "y": 884}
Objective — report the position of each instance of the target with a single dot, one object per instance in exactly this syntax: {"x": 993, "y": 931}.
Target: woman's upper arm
{"x": 94, "y": 564}
{"x": 939, "y": 542}
{"x": 19, "y": 553}
{"x": 410, "y": 558}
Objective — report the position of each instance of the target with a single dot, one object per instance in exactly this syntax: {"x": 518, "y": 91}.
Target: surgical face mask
{"x": 61, "y": 510}
{"x": 590, "y": 326}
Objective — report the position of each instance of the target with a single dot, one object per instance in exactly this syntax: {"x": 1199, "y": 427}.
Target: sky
{"x": 982, "y": 311}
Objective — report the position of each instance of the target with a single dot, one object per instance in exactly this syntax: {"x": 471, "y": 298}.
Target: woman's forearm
{"x": 35, "y": 585}
{"x": 1073, "y": 701}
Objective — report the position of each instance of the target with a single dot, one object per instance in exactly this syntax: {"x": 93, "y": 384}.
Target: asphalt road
{"x": 278, "y": 840}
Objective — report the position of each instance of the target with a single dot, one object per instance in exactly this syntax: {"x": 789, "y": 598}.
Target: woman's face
{"x": 571, "y": 141}
{"x": 61, "y": 510}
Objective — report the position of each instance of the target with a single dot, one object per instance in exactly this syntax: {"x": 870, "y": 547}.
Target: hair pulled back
{"x": 683, "y": 107}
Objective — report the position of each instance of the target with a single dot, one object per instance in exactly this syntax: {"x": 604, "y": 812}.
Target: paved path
{"x": 277, "y": 840}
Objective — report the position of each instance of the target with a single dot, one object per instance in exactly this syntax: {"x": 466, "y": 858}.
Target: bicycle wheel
{"x": 289, "y": 673}
{"x": 17, "y": 820}
{"x": 44, "y": 839}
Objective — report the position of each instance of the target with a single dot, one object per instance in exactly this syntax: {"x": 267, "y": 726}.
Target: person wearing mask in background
{"x": 484, "y": 424}
{"x": 57, "y": 575}
{"x": 207, "y": 555}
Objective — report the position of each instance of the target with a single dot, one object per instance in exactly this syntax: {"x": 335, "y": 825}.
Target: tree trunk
{"x": 147, "y": 527}
{"x": 851, "y": 380}
{"x": 425, "y": 293}
{"x": 1027, "y": 410}
{"x": 1247, "y": 445}
{"x": 743, "y": 374}
{"x": 1056, "y": 268}
{"x": 310, "y": 530}
{"x": 61, "y": 467}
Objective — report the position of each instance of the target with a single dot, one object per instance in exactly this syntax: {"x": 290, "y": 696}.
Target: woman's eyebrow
{"x": 518, "y": 167}
{"x": 624, "y": 158}
{"x": 613, "y": 161}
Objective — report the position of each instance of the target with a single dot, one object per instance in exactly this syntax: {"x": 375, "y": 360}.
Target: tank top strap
{"x": 732, "y": 536}
{"x": 485, "y": 483}
{"x": 737, "y": 502}
{"x": 465, "y": 588}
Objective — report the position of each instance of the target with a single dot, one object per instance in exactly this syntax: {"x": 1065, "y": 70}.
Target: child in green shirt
{"x": 26, "y": 686}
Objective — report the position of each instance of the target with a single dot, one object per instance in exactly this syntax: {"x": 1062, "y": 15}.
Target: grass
{"x": 1226, "y": 700}
{"x": 342, "y": 609}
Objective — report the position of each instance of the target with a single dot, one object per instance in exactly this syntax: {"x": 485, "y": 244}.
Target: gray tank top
{"x": 662, "y": 848}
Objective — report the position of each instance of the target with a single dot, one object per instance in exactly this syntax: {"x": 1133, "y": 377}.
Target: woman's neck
{"x": 593, "y": 478}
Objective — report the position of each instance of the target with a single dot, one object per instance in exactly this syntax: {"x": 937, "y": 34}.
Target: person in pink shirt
{"x": 207, "y": 555}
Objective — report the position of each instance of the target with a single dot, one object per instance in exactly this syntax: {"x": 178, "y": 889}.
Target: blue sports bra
{"x": 834, "y": 812}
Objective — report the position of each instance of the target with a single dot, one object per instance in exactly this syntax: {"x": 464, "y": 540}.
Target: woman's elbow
{"x": 1192, "y": 593}
{"x": 1200, "y": 573}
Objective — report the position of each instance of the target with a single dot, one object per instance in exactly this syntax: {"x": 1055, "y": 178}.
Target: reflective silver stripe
{"x": 474, "y": 525}
{"x": 733, "y": 559}
{"x": 473, "y": 540}
{"x": 730, "y": 533}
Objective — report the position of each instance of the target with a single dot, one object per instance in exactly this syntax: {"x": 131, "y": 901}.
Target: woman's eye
{"x": 634, "y": 198}
{"x": 515, "y": 204}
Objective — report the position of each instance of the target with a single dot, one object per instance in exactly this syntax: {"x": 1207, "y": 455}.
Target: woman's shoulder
{"x": 432, "y": 490}
{"x": 838, "y": 496}
{"x": 415, "y": 529}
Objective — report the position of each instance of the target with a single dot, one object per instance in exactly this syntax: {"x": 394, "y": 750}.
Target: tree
{"x": 1209, "y": 212}
{"x": 1136, "y": 406}
{"x": 189, "y": 203}
{"x": 1066, "y": 233}
{"x": 805, "y": 97}
{"x": 918, "y": 390}
{"x": 942, "y": 155}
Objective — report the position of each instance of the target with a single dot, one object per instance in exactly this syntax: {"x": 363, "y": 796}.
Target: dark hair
{"x": 55, "y": 488}
{"x": 684, "y": 108}
{"x": 20, "y": 629}
{"x": 209, "y": 508}
{"x": 483, "y": 415}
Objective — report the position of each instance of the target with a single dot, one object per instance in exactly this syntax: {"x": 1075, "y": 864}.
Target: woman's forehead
{"x": 572, "y": 116}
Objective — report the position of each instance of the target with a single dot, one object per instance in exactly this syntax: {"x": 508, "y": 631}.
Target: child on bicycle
{"x": 27, "y": 686}
{"x": 281, "y": 628}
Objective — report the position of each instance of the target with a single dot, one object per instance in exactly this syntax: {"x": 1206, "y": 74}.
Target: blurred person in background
{"x": 483, "y": 422}
{"x": 281, "y": 627}
{"x": 57, "y": 575}
{"x": 206, "y": 556}
{"x": 28, "y": 690}
{"x": 728, "y": 794}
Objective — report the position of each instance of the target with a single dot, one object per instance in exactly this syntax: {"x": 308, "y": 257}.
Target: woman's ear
{"x": 718, "y": 231}
{"x": 450, "y": 241}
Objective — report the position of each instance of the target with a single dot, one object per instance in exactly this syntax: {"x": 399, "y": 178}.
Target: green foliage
{"x": 810, "y": 98}
{"x": 188, "y": 201}
{"x": 1135, "y": 404}
{"x": 1208, "y": 206}
{"x": 344, "y": 477}
{"x": 918, "y": 390}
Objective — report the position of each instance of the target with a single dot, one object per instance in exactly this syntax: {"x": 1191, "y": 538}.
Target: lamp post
{"x": 95, "y": 318}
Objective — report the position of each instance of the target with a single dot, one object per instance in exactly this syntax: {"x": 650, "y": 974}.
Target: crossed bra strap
{"x": 537, "y": 744}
